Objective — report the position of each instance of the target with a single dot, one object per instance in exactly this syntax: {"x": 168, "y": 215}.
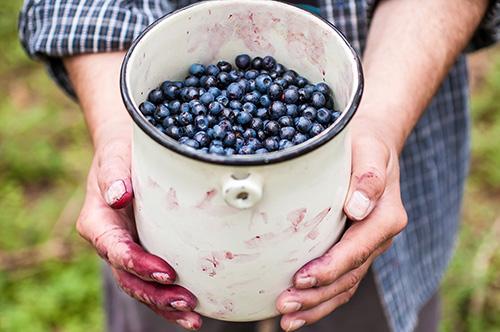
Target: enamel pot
{"x": 237, "y": 228}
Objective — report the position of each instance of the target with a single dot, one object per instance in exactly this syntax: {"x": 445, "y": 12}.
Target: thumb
{"x": 368, "y": 177}
{"x": 113, "y": 173}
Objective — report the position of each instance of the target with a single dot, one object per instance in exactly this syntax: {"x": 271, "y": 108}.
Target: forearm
{"x": 410, "y": 48}
{"x": 95, "y": 78}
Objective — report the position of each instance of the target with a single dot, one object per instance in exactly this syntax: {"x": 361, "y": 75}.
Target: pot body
{"x": 236, "y": 234}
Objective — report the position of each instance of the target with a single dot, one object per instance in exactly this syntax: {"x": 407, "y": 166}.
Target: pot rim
{"x": 240, "y": 160}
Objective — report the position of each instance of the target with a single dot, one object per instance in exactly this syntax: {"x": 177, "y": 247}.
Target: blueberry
{"x": 229, "y": 140}
{"x": 252, "y": 97}
{"x": 275, "y": 91}
{"x": 217, "y": 142}
{"x": 249, "y": 107}
{"x": 262, "y": 113}
{"x": 169, "y": 121}
{"x": 261, "y": 151}
{"x": 254, "y": 142}
{"x": 318, "y": 99}
{"x": 192, "y": 81}
{"x": 235, "y": 104}
{"x": 251, "y": 85}
{"x": 285, "y": 121}
{"x": 219, "y": 132}
{"x": 192, "y": 93}
{"x": 199, "y": 109}
{"x": 268, "y": 62}
{"x": 249, "y": 133}
{"x": 299, "y": 138}
{"x": 185, "y": 107}
{"x": 335, "y": 115}
{"x": 210, "y": 133}
{"x": 183, "y": 139}
{"x": 262, "y": 83}
{"x": 239, "y": 143}
{"x": 244, "y": 117}
{"x": 310, "y": 113}
{"x": 238, "y": 130}
{"x": 272, "y": 128}
{"x": 257, "y": 63}
{"x": 204, "y": 150}
{"x": 151, "y": 119}
{"x": 178, "y": 84}
{"x": 316, "y": 129}
{"x": 290, "y": 96}
{"x": 215, "y": 107}
{"x": 189, "y": 130}
{"x": 225, "y": 124}
{"x": 323, "y": 88}
{"x": 162, "y": 112}
{"x": 278, "y": 109}
{"x": 156, "y": 96}
{"x": 147, "y": 108}
{"x": 214, "y": 91}
{"x": 290, "y": 77}
{"x": 226, "y": 113}
{"x": 279, "y": 69}
{"x": 323, "y": 116}
{"x": 223, "y": 79}
{"x": 197, "y": 69}
{"x": 233, "y": 75}
{"x": 310, "y": 88}
{"x": 171, "y": 91}
{"x": 229, "y": 151}
{"x": 304, "y": 95}
{"x": 251, "y": 74}
{"x": 256, "y": 124}
{"x": 243, "y": 61}
{"x": 224, "y": 66}
{"x": 265, "y": 101}
{"x": 206, "y": 98}
{"x": 234, "y": 91}
{"x": 292, "y": 110}
{"x": 216, "y": 149}
{"x": 301, "y": 81}
{"x": 210, "y": 81}
{"x": 287, "y": 132}
{"x": 271, "y": 144}
{"x": 246, "y": 149}
{"x": 202, "y": 138}
{"x": 282, "y": 82}
{"x": 159, "y": 127}
{"x": 185, "y": 118}
{"x": 303, "y": 107}
{"x": 212, "y": 70}
{"x": 261, "y": 135}
{"x": 223, "y": 100}
{"x": 273, "y": 74}
{"x": 212, "y": 120}
{"x": 285, "y": 143}
{"x": 173, "y": 131}
{"x": 174, "y": 106}
{"x": 201, "y": 122}
{"x": 303, "y": 124}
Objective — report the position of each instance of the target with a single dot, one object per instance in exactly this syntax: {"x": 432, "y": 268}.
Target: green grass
{"x": 44, "y": 156}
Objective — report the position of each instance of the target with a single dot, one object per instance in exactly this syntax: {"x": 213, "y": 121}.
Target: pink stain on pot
{"x": 171, "y": 201}
{"x": 260, "y": 240}
{"x": 318, "y": 218}
{"x": 205, "y": 202}
{"x": 296, "y": 217}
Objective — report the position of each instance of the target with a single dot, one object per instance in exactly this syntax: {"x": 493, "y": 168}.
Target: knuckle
{"x": 352, "y": 280}
{"x": 361, "y": 256}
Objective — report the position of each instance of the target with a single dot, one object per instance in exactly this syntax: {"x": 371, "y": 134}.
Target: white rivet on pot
{"x": 242, "y": 193}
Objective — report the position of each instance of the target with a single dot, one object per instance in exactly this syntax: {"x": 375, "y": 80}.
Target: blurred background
{"x": 49, "y": 277}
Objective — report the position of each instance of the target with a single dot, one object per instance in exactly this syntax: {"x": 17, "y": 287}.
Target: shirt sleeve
{"x": 52, "y": 29}
{"x": 488, "y": 32}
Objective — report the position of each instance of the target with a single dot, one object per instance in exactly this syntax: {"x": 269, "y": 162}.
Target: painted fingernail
{"x": 305, "y": 282}
{"x": 289, "y": 307}
{"x": 358, "y": 205}
{"x": 295, "y": 325}
{"x": 115, "y": 192}
{"x": 180, "y": 305}
{"x": 185, "y": 324}
{"x": 161, "y": 277}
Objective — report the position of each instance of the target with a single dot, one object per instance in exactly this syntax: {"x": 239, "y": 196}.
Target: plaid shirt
{"x": 433, "y": 164}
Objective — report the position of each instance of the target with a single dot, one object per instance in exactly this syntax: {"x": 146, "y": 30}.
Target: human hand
{"x": 375, "y": 207}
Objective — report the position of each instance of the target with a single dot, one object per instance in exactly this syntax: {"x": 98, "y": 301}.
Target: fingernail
{"x": 358, "y": 205}
{"x": 305, "y": 282}
{"x": 161, "y": 277}
{"x": 295, "y": 325}
{"x": 115, "y": 192}
{"x": 289, "y": 307}
{"x": 180, "y": 305}
{"x": 185, "y": 324}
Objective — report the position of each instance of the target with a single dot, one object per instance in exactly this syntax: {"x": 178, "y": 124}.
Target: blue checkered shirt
{"x": 433, "y": 164}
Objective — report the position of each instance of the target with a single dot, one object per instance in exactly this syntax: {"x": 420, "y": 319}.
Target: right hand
{"x": 107, "y": 222}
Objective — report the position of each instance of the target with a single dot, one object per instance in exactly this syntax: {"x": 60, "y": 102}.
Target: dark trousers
{"x": 363, "y": 313}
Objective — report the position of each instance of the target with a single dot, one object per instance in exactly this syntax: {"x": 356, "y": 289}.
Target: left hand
{"x": 375, "y": 207}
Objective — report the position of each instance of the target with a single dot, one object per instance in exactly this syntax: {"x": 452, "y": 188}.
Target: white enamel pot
{"x": 237, "y": 228}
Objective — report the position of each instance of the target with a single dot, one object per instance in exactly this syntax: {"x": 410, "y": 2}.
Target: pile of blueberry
{"x": 258, "y": 107}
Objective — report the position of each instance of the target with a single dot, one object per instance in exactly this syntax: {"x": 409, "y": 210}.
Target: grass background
{"x": 49, "y": 278}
